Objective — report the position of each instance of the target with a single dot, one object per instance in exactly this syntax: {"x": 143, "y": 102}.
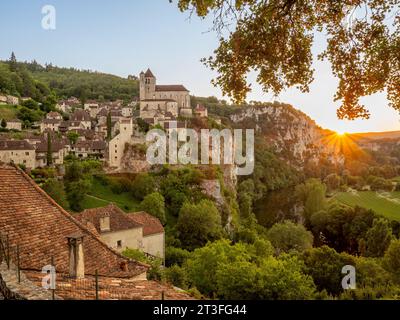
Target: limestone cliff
{"x": 134, "y": 159}
{"x": 289, "y": 132}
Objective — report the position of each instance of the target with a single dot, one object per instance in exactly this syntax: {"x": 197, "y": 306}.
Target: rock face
{"x": 134, "y": 159}
{"x": 290, "y": 132}
{"x": 212, "y": 188}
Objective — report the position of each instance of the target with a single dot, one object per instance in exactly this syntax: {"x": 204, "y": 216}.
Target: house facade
{"x": 19, "y": 152}
{"x": 14, "y": 124}
{"x": 116, "y": 145}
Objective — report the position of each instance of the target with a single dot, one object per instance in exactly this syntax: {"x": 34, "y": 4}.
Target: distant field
{"x": 100, "y": 196}
{"x": 384, "y": 203}
{"x": 8, "y": 112}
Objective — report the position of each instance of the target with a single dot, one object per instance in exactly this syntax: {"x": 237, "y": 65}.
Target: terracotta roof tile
{"x": 151, "y": 225}
{"x": 40, "y": 227}
{"x": 119, "y": 220}
{"x": 15, "y": 145}
{"x": 149, "y": 74}
{"x": 110, "y": 288}
{"x": 80, "y": 115}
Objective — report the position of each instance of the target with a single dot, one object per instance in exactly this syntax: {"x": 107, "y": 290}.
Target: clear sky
{"x": 126, "y": 36}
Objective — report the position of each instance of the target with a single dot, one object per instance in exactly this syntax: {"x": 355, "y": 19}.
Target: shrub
{"x": 176, "y": 256}
{"x": 177, "y": 276}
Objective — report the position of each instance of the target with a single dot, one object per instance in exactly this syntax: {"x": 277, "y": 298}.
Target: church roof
{"x": 149, "y": 74}
{"x": 173, "y": 87}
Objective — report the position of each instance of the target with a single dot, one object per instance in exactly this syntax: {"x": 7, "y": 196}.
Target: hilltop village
{"x": 97, "y": 130}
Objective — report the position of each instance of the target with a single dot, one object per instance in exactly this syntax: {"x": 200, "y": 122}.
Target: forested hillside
{"x": 34, "y": 80}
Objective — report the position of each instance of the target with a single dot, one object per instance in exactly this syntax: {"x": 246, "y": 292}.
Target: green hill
{"x": 384, "y": 203}
{"x": 37, "y": 81}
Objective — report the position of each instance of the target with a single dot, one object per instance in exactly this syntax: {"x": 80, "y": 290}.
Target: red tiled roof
{"x": 55, "y": 146}
{"x": 80, "y": 115}
{"x": 15, "y": 145}
{"x": 51, "y": 121}
{"x": 53, "y": 114}
{"x": 149, "y": 74}
{"x": 171, "y": 87}
{"x": 151, "y": 225}
{"x": 103, "y": 112}
{"x": 119, "y": 220}
{"x": 110, "y": 288}
{"x": 40, "y": 226}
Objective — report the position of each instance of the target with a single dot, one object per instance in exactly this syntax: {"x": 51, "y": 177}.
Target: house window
{"x": 119, "y": 243}
{"x": 27, "y": 153}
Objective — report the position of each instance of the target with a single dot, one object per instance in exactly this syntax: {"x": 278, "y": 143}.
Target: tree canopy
{"x": 274, "y": 38}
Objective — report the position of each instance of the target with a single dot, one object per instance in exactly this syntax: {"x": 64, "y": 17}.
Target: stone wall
{"x": 11, "y": 289}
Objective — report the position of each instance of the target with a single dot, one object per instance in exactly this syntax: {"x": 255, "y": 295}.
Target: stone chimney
{"x": 105, "y": 223}
{"x": 76, "y": 259}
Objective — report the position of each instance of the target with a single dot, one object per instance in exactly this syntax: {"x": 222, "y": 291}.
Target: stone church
{"x": 162, "y": 101}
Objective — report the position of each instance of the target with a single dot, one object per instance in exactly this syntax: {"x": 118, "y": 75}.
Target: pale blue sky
{"x": 125, "y": 36}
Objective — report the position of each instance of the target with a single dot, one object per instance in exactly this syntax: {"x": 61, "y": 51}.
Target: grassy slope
{"x": 386, "y": 204}
{"x": 8, "y": 112}
{"x": 101, "y": 195}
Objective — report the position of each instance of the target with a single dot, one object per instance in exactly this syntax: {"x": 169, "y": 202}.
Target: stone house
{"x": 92, "y": 107}
{"x": 66, "y": 106}
{"x": 58, "y": 148}
{"x": 3, "y": 99}
{"x": 153, "y": 241}
{"x": 201, "y": 111}
{"x": 14, "y": 124}
{"x": 12, "y": 100}
{"x": 50, "y": 125}
{"x": 116, "y": 115}
{"x": 116, "y": 145}
{"x": 120, "y": 230}
{"x": 127, "y": 111}
{"x": 89, "y": 149}
{"x": 17, "y": 152}
{"x": 76, "y": 125}
{"x": 54, "y": 115}
{"x": 63, "y": 127}
{"x": 83, "y": 117}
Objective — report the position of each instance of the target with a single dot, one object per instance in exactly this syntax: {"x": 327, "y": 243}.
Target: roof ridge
{"x": 71, "y": 218}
